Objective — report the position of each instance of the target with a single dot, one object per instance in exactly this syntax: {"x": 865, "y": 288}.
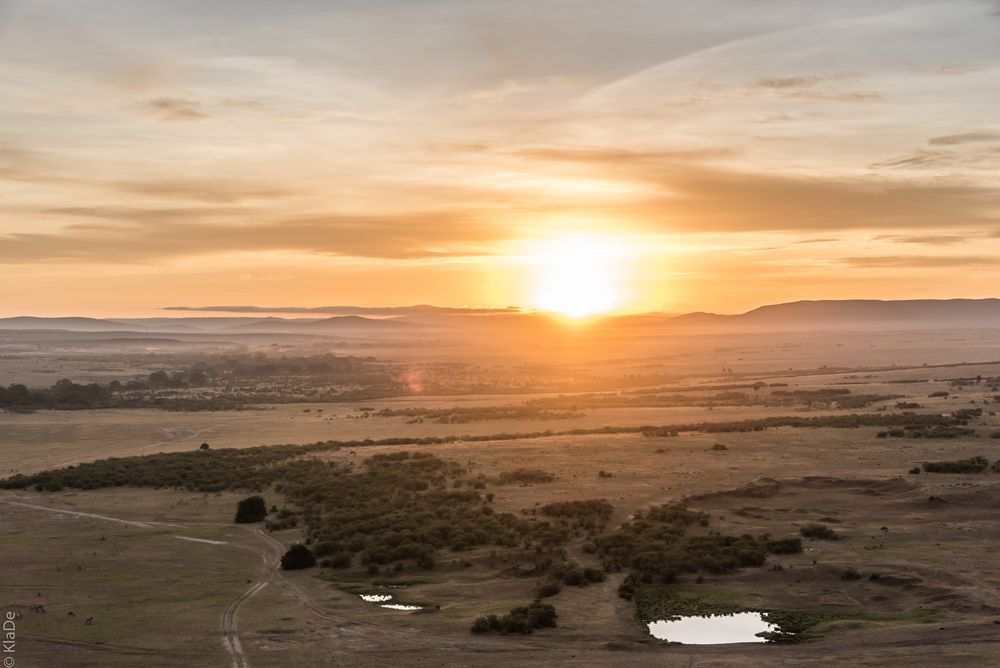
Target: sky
{"x": 633, "y": 155}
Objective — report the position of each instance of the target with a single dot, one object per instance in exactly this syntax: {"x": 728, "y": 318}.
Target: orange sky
{"x": 457, "y": 153}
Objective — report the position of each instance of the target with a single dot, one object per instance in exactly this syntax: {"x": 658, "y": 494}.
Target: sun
{"x": 578, "y": 276}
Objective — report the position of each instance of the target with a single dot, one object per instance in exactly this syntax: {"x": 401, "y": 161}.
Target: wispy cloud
{"x": 919, "y": 261}
{"x": 175, "y": 109}
{"x": 416, "y": 236}
{"x": 964, "y": 138}
{"x": 420, "y": 309}
{"x": 928, "y": 239}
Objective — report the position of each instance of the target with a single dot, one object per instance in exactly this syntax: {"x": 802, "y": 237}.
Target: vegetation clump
{"x": 526, "y": 619}
{"x": 819, "y": 532}
{"x": 789, "y": 545}
{"x": 523, "y": 477}
{"x": 971, "y": 465}
{"x": 590, "y": 513}
{"x": 298, "y": 557}
{"x": 251, "y": 509}
{"x": 666, "y": 541}
{"x": 572, "y": 574}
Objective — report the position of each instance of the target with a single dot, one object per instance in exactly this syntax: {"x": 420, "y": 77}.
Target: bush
{"x": 525, "y": 619}
{"x": 819, "y": 532}
{"x": 971, "y": 465}
{"x": 298, "y": 557}
{"x": 790, "y": 545}
{"x": 251, "y": 509}
{"x": 523, "y": 477}
{"x": 549, "y": 589}
{"x": 586, "y": 513}
{"x": 339, "y": 560}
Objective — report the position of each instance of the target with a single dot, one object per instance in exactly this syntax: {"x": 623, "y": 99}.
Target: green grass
{"x": 653, "y": 602}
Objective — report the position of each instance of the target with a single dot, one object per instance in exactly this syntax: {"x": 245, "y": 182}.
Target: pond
{"x": 383, "y": 602}
{"x": 713, "y": 629}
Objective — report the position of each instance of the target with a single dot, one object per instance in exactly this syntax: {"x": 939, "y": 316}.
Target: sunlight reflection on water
{"x": 712, "y": 630}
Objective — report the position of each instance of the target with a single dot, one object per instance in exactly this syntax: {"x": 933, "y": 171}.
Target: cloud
{"x": 930, "y": 239}
{"x": 204, "y": 190}
{"x": 802, "y": 81}
{"x": 700, "y": 198}
{"x": 610, "y": 156}
{"x": 964, "y": 138}
{"x": 175, "y": 109}
{"x": 709, "y": 200}
{"x": 919, "y": 261}
{"x": 921, "y": 159}
{"x": 420, "y": 309}
{"x": 152, "y": 235}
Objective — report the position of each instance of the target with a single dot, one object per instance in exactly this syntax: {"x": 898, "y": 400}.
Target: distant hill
{"x": 855, "y": 313}
{"x": 73, "y": 324}
{"x": 345, "y": 323}
{"x": 858, "y": 314}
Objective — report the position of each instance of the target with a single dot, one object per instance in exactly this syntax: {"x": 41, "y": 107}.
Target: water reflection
{"x": 713, "y": 630}
{"x": 382, "y": 599}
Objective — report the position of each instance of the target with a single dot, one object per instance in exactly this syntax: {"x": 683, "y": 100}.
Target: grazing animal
{"x": 71, "y": 614}
{"x": 90, "y": 620}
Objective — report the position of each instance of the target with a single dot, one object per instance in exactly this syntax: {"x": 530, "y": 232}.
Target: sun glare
{"x": 578, "y": 276}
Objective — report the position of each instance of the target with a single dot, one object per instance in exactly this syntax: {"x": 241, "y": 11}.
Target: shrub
{"x": 549, "y": 589}
{"x": 339, "y": 560}
{"x": 819, "y": 532}
{"x": 298, "y": 557}
{"x": 525, "y": 619}
{"x": 586, "y": 512}
{"x": 251, "y": 509}
{"x": 790, "y": 545}
{"x": 523, "y": 477}
{"x": 971, "y": 465}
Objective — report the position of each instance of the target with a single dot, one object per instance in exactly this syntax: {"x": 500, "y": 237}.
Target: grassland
{"x": 912, "y": 580}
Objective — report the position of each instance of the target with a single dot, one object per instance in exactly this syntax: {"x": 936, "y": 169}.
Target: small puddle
{"x": 382, "y": 600}
{"x": 713, "y": 629}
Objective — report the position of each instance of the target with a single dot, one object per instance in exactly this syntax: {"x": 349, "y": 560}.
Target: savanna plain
{"x": 474, "y": 502}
